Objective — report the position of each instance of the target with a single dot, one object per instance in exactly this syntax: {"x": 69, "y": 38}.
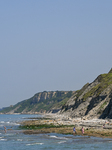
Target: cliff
{"x": 42, "y": 102}
{"x": 94, "y": 100}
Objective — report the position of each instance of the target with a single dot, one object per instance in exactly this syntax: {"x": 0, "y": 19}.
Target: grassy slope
{"x": 55, "y": 101}
{"x": 105, "y": 81}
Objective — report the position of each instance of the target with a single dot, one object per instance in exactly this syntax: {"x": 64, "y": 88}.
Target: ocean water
{"x": 14, "y": 139}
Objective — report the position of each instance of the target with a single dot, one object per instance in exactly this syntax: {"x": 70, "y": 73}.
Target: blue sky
{"x": 48, "y": 45}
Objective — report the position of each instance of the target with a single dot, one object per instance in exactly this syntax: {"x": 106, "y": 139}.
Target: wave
{"x": 10, "y": 134}
{"x": 19, "y": 139}
{"x": 34, "y": 144}
{"x": 3, "y": 139}
{"x": 61, "y": 142}
{"x": 2, "y": 121}
{"x": 8, "y": 123}
{"x": 61, "y": 138}
{"x": 53, "y": 136}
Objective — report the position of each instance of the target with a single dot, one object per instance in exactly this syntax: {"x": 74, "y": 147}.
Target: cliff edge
{"x": 94, "y": 100}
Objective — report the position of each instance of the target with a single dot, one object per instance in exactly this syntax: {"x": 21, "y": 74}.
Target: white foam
{"x": 2, "y": 122}
{"x": 3, "y": 139}
{"x": 19, "y": 140}
{"x": 63, "y": 138}
{"x": 10, "y": 134}
{"x": 53, "y": 136}
{"x": 34, "y": 144}
{"x": 9, "y": 123}
{"x": 61, "y": 142}
{"x": 12, "y": 123}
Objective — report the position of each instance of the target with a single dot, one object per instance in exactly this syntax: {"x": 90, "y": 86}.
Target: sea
{"x": 15, "y": 139}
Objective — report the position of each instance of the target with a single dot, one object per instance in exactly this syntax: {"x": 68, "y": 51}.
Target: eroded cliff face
{"x": 43, "y": 102}
{"x": 93, "y": 100}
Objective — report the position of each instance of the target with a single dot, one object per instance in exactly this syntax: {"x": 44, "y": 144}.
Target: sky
{"x": 48, "y": 45}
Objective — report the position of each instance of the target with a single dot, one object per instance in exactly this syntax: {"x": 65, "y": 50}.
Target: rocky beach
{"x": 53, "y": 123}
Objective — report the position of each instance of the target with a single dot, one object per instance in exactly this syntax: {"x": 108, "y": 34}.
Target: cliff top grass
{"x": 104, "y": 81}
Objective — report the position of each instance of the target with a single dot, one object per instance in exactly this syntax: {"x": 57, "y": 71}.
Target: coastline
{"x": 55, "y": 123}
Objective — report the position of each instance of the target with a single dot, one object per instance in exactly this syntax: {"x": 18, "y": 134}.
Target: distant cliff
{"x": 41, "y": 102}
{"x": 94, "y": 100}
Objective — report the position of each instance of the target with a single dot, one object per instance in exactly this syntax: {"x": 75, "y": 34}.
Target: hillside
{"x": 41, "y": 102}
{"x": 94, "y": 100}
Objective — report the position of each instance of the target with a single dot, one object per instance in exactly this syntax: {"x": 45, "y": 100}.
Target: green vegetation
{"x": 104, "y": 81}
{"x": 102, "y": 106}
{"x": 41, "y": 102}
{"x": 41, "y": 126}
{"x": 7, "y": 109}
{"x": 79, "y": 92}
